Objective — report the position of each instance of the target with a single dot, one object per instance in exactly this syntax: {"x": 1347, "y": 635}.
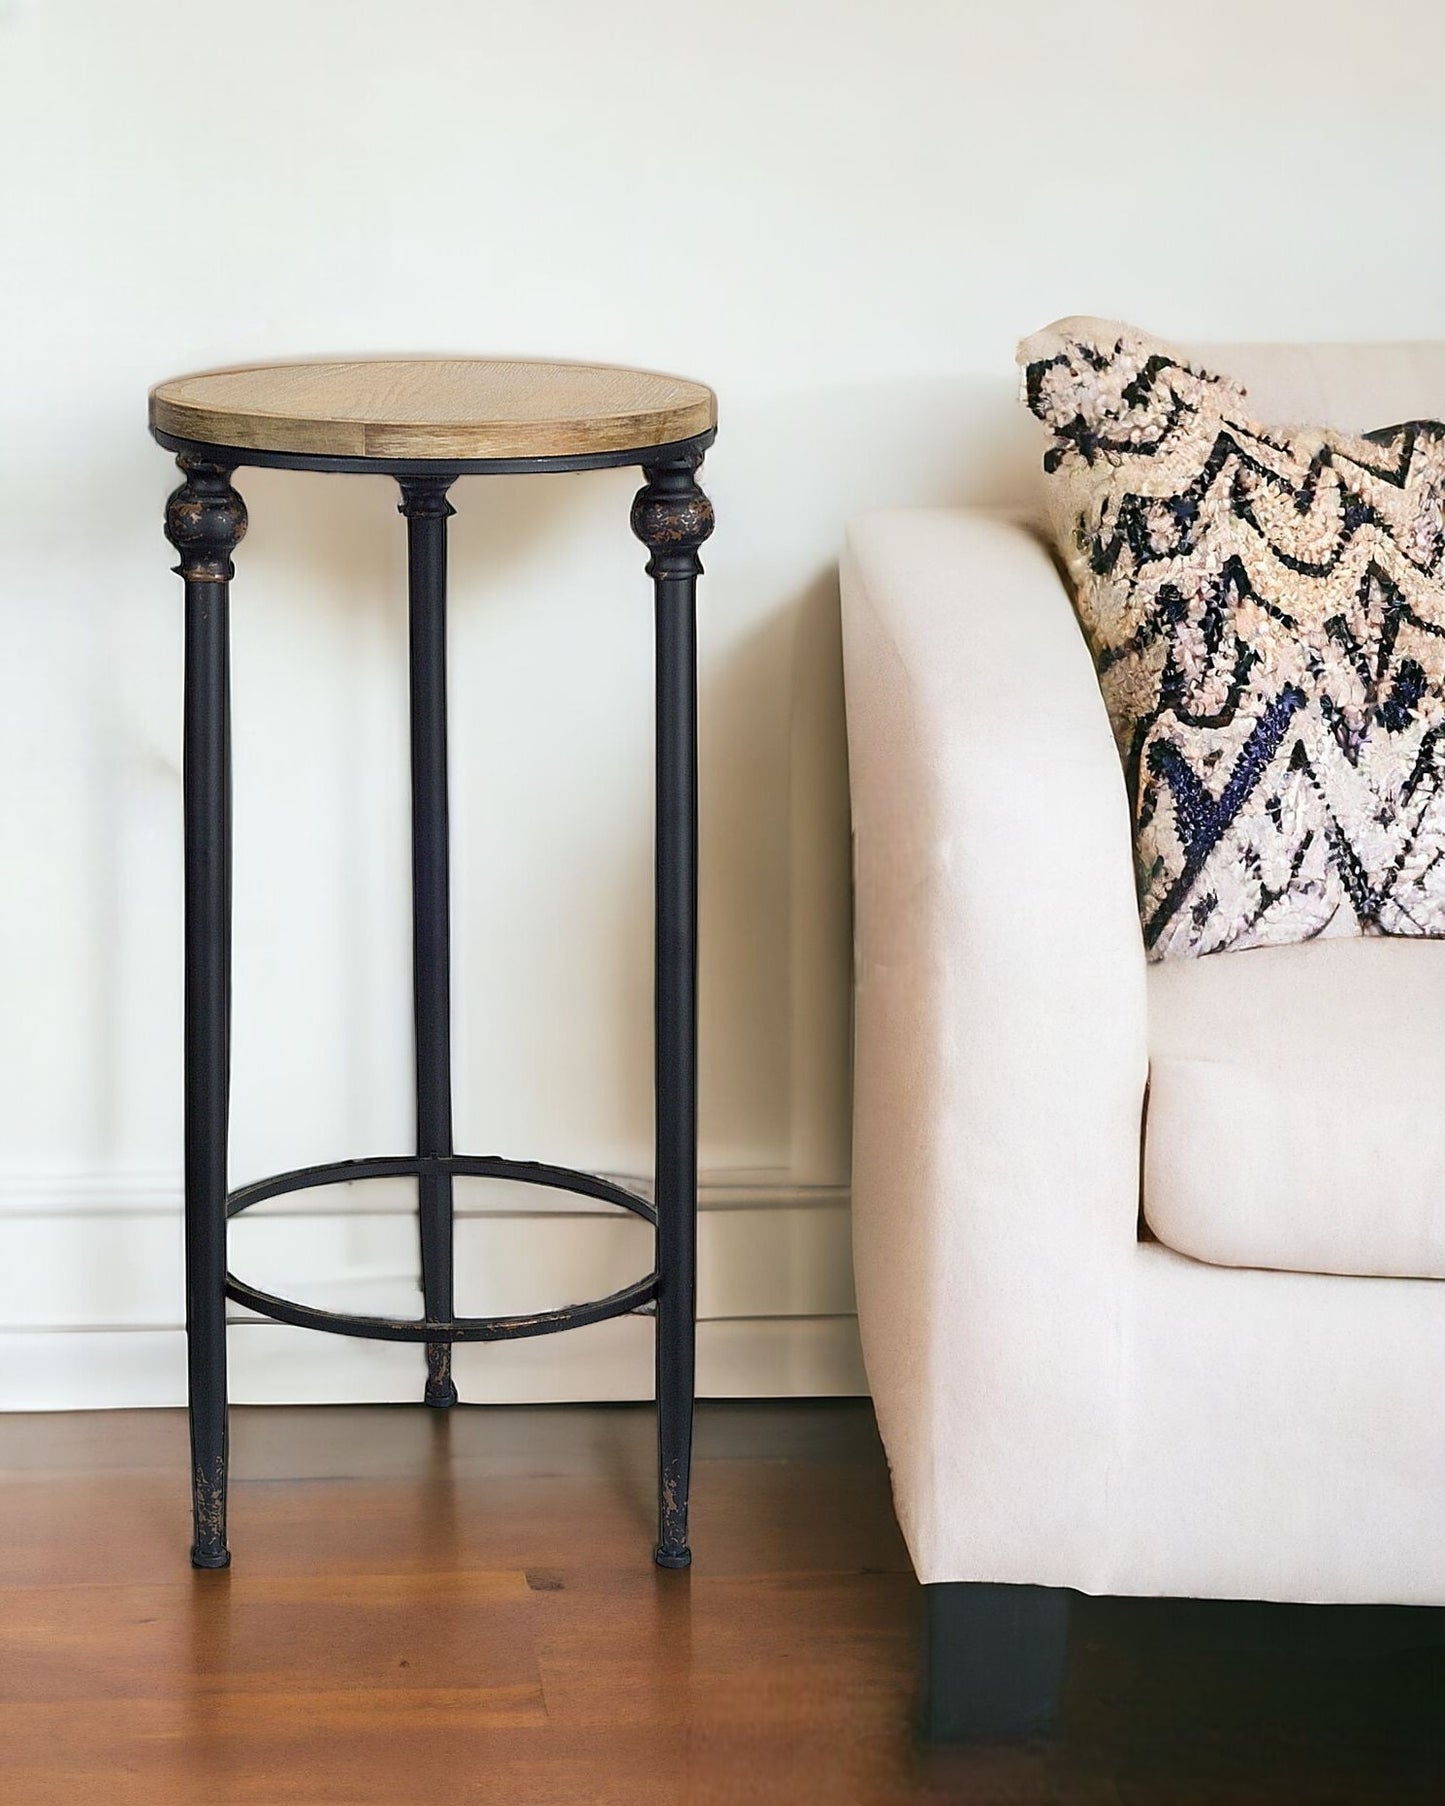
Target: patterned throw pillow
{"x": 1266, "y": 611}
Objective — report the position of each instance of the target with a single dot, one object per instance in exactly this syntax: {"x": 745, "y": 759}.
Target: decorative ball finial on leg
{"x": 672, "y": 517}
{"x": 205, "y": 521}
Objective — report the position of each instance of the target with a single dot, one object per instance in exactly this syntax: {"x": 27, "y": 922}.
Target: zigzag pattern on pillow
{"x": 1266, "y": 612}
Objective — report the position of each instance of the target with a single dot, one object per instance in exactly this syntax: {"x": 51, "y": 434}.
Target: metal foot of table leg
{"x": 440, "y": 1391}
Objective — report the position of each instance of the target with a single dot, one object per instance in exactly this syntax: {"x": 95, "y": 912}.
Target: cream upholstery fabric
{"x": 1061, "y": 1403}
{"x": 1297, "y": 1108}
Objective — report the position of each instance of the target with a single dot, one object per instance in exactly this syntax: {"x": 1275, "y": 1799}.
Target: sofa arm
{"x": 1000, "y": 1043}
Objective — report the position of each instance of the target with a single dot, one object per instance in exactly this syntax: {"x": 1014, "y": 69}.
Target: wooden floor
{"x": 460, "y": 1608}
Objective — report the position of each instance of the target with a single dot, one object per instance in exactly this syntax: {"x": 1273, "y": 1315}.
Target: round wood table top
{"x": 449, "y": 409}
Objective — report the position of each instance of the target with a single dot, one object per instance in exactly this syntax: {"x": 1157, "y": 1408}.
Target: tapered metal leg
{"x": 425, "y": 505}
{"x": 673, "y": 517}
{"x": 205, "y": 519}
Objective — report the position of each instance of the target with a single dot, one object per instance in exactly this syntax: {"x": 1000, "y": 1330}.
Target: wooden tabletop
{"x": 444, "y": 408}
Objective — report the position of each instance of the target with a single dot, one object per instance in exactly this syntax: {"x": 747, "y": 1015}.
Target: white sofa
{"x": 1148, "y": 1257}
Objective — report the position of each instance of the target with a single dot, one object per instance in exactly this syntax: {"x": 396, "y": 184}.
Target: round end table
{"x": 426, "y": 422}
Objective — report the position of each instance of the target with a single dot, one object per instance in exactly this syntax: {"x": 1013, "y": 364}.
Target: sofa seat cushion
{"x": 1296, "y": 1112}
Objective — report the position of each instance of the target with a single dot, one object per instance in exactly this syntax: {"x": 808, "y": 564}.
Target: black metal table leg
{"x": 672, "y": 517}
{"x": 425, "y": 505}
{"x": 205, "y": 519}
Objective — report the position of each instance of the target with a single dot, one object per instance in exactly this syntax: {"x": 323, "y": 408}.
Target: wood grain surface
{"x": 445, "y": 408}
{"x": 459, "y": 1607}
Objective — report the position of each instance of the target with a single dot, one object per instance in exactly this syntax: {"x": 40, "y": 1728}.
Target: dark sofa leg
{"x": 993, "y": 1660}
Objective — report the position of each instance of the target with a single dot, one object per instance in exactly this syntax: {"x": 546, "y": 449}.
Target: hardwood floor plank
{"x": 462, "y": 1609}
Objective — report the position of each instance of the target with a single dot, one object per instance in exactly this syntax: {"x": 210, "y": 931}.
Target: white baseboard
{"x": 272, "y": 1363}
{"x": 91, "y": 1294}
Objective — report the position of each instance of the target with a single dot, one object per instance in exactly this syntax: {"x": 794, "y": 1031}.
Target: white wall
{"x": 839, "y": 213}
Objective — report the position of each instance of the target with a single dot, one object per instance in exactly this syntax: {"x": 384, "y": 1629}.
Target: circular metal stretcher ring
{"x": 457, "y": 1329}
